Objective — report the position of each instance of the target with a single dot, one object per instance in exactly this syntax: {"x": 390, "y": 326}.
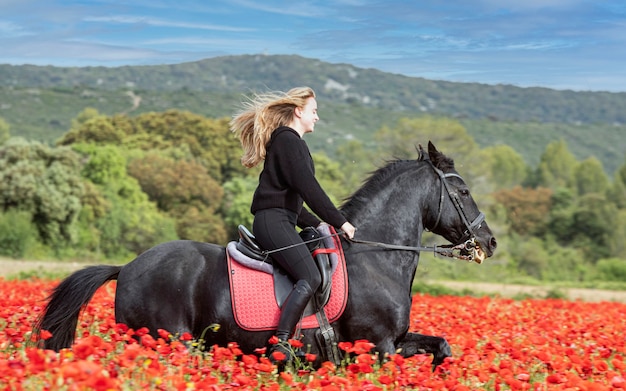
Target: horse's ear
{"x": 421, "y": 155}
{"x": 433, "y": 152}
{"x": 440, "y": 160}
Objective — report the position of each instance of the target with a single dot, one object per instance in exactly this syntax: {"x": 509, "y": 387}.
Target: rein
{"x": 268, "y": 252}
{"x": 445, "y": 250}
{"x": 452, "y": 251}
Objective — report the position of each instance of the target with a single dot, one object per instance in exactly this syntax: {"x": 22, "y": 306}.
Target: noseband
{"x": 469, "y": 233}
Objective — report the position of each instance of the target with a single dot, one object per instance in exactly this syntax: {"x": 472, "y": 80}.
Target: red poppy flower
{"x": 279, "y": 356}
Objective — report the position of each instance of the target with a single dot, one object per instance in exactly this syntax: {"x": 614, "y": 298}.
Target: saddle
{"x": 324, "y": 258}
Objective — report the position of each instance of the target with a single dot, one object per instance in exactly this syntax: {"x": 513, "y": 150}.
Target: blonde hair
{"x": 261, "y": 115}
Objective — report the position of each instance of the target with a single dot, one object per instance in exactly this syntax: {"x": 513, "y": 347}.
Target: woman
{"x": 270, "y": 128}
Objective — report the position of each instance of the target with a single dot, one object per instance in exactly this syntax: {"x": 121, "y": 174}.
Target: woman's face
{"x": 308, "y": 116}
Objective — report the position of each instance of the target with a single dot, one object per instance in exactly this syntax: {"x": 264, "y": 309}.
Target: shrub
{"x": 17, "y": 233}
{"x": 611, "y": 269}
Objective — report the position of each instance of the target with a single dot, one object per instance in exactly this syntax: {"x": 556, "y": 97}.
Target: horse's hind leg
{"x": 415, "y": 343}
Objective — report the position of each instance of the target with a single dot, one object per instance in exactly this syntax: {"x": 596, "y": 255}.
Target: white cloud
{"x": 10, "y": 29}
{"x": 130, "y": 19}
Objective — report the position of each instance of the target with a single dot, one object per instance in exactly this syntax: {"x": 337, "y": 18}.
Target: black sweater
{"x": 288, "y": 179}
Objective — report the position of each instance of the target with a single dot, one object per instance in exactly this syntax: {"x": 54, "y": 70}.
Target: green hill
{"x": 39, "y": 102}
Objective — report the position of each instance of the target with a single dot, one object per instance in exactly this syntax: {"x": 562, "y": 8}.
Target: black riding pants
{"x": 276, "y": 228}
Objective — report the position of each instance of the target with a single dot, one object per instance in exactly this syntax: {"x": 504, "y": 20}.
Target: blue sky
{"x": 561, "y": 44}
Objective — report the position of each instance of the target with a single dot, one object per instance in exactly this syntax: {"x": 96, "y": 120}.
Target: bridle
{"x": 468, "y": 240}
{"x": 470, "y": 228}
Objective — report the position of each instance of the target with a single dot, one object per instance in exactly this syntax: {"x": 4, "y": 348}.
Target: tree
{"x": 96, "y": 130}
{"x": 122, "y": 221}
{"x": 562, "y": 215}
{"x": 506, "y": 167}
{"x": 616, "y": 193}
{"x": 235, "y": 208}
{"x": 202, "y": 225}
{"x": 527, "y": 209}
{"x": 593, "y": 225}
{"x": 185, "y": 191}
{"x": 618, "y": 239}
{"x": 209, "y": 140}
{"x": 44, "y": 182}
{"x": 556, "y": 166}
{"x": 174, "y": 184}
{"x": 84, "y": 116}
{"x": 17, "y": 233}
{"x": 589, "y": 177}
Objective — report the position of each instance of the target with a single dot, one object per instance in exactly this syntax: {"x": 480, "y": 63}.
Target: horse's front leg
{"x": 414, "y": 343}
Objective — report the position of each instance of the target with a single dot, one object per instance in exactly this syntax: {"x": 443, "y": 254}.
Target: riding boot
{"x": 290, "y": 315}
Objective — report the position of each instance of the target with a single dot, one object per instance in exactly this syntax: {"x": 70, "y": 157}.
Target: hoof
{"x": 443, "y": 352}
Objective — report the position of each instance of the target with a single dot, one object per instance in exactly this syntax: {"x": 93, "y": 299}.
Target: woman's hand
{"x": 348, "y": 229}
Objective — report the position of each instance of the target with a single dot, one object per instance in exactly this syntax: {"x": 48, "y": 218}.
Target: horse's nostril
{"x": 493, "y": 243}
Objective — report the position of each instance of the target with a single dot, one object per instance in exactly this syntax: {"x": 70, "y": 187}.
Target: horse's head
{"x": 457, "y": 217}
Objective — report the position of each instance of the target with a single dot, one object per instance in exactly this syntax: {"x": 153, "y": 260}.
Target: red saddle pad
{"x": 254, "y": 304}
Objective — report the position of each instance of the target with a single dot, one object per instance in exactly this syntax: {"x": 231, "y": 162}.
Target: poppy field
{"x": 497, "y": 344}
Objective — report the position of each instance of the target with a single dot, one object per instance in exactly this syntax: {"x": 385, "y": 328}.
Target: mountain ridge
{"x": 39, "y": 102}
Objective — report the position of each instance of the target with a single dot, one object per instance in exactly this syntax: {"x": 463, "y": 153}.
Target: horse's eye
{"x": 464, "y": 192}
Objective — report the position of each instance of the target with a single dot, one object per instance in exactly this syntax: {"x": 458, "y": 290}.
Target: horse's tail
{"x": 60, "y": 316}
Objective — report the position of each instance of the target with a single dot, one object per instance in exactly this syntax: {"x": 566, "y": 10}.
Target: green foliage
{"x": 120, "y": 220}
{"x": 330, "y": 177}
{"x": 45, "y": 183}
{"x": 238, "y": 194}
{"x": 40, "y": 273}
{"x": 104, "y": 165}
{"x": 527, "y": 209}
{"x": 356, "y": 162}
{"x": 589, "y": 177}
{"x": 506, "y": 167}
{"x": 601, "y": 139}
{"x": 611, "y": 269}
{"x": 175, "y": 184}
{"x": 185, "y": 191}
{"x": 447, "y": 134}
{"x": 202, "y": 225}
{"x": 556, "y": 168}
{"x": 432, "y": 289}
{"x": 163, "y": 175}
{"x": 207, "y": 141}
{"x": 545, "y": 260}
{"x": 17, "y": 233}
{"x": 96, "y": 130}
{"x": 133, "y": 224}
{"x": 210, "y": 141}
{"x": 4, "y": 130}
{"x": 616, "y": 193}
{"x": 618, "y": 239}
{"x": 593, "y": 224}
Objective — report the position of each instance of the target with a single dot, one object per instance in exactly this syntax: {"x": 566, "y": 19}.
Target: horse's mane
{"x": 376, "y": 179}
{"x": 373, "y": 183}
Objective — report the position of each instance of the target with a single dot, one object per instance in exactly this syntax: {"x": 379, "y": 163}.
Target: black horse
{"x": 183, "y": 286}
